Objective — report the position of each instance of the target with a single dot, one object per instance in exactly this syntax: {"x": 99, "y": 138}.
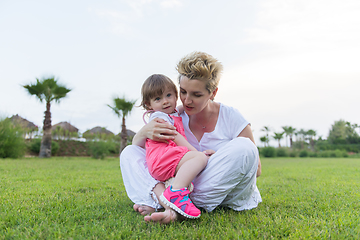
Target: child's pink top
{"x": 162, "y": 158}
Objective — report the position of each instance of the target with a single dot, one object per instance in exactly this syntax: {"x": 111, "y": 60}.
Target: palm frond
{"x": 47, "y": 89}
{"x": 122, "y": 107}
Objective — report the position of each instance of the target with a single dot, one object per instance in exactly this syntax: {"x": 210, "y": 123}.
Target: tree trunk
{"x": 45, "y": 148}
{"x": 312, "y": 144}
{"x": 123, "y": 135}
{"x": 291, "y": 142}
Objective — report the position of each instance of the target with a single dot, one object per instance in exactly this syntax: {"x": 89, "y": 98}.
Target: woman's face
{"x": 194, "y": 95}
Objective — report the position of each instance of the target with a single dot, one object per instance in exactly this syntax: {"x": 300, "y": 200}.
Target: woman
{"x": 229, "y": 178}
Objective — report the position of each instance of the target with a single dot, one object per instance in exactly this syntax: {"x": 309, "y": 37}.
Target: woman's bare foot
{"x": 165, "y": 217}
{"x": 143, "y": 209}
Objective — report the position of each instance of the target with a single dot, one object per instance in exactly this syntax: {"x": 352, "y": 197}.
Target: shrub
{"x": 303, "y": 153}
{"x": 114, "y": 147}
{"x": 324, "y": 154}
{"x": 324, "y": 145}
{"x": 282, "y": 152}
{"x": 36, "y": 143}
{"x": 12, "y": 143}
{"x": 268, "y": 152}
{"x": 54, "y": 147}
{"x": 293, "y": 153}
{"x": 99, "y": 150}
{"x": 334, "y": 153}
{"x": 313, "y": 154}
{"x": 339, "y": 153}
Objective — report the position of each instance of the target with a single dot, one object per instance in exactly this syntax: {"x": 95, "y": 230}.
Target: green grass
{"x": 84, "y": 198}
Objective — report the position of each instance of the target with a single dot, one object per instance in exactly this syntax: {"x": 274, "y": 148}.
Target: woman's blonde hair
{"x": 154, "y": 86}
{"x": 201, "y": 66}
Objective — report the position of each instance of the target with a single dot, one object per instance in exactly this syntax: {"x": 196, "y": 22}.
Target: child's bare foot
{"x": 143, "y": 209}
{"x": 165, "y": 217}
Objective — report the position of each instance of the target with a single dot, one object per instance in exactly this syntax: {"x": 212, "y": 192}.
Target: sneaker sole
{"x": 174, "y": 207}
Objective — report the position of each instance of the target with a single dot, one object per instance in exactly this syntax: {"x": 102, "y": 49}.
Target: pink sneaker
{"x": 171, "y": 180}
{"x": 179, "y": 201}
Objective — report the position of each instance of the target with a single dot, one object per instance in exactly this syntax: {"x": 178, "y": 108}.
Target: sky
{"x": 286, "y": 62}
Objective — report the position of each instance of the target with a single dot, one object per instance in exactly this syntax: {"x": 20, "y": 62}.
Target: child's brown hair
{"x": 154, "y": 86}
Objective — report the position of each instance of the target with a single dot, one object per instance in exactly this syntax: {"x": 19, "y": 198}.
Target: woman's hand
{"x": 160, "y": 130}
{"x": 157, "y": 129}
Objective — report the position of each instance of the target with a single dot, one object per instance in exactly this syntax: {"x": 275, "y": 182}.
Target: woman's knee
{"x": 243, "y": 146}
{"x": 240, "y": 155}
{"x": 131, "y": 152}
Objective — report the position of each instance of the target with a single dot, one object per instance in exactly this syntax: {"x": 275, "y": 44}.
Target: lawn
{"x": 84, "y": 198}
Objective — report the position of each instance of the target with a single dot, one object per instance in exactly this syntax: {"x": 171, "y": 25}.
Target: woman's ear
{"x": 213, "y": 94}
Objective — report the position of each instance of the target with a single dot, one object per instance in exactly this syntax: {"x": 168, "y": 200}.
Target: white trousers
{"x": 229, "y": 178}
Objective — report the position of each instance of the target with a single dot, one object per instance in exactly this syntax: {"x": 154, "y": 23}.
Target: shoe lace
{"x": 185, "y": 199}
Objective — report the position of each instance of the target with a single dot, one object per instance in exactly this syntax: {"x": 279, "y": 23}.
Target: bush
{"x": 36, "y": 143}
{"x": 334, "y": 154}
{"x": 99, "y": 150}
{"x": 324, "y": 145}
{"x": 293, "y": 153}
{"x": 54, "y": 147}
{"x": 12, "y": 143}
{"x": 324, "y": 154}
{"x": 114, "y": 147}
{"x": 313, "y": 154}
{"x": 303, "y": 153}
{"x": 282, "y": 152}
{"x": 268, "y": 152}
{"x": 339, "y": 153}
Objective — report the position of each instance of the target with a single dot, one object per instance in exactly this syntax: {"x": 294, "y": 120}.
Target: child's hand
{"x": 209, "y": 152}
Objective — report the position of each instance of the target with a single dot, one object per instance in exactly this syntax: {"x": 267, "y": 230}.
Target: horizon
{"x": 285, "y": 63}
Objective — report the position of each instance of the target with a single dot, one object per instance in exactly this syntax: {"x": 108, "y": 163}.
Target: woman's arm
{"x": 181, "y": 141}
{"x": 248, "y": 133}
{"x": 157, "y": 129}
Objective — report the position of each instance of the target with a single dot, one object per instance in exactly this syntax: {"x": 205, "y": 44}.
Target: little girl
{"x": 176, "y": 158}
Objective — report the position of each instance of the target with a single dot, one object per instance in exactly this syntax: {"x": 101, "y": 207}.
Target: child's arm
{"x": 181, "y": 141}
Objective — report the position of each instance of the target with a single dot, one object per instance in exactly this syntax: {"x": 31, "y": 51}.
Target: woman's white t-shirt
{"x": 229, "y": 125}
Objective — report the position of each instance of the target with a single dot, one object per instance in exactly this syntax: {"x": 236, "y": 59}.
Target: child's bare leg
{"x": 191, "y": 164}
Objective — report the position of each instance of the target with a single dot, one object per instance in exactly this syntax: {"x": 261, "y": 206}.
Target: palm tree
{"x": 266, "y": 129}
{"x": 311, "y": 133}
{"x": 122, "y": 108}
{"x": 289, "y": 131}
{"x": 278, "y": 136}
{"x": 265, "y": 140}
{"x": 302, "y": 134}
{"x": 48, "y": 90}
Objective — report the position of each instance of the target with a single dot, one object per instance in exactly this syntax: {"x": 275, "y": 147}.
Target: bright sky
{"x": 285, "y": 62}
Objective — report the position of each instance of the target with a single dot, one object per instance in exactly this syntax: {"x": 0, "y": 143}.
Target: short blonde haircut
{"x": 154, "y": 86}
{"x": 201, "y": 66}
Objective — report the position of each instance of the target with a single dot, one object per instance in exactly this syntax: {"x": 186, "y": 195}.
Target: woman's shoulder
{"x": 231, "y": 120}
{"x": 226, "y": 110}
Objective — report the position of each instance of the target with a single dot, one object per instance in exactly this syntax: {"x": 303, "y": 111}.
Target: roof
{"x": 24, "y": 123}
{"x": 66, "y": 126}
{"x": 98, "y": 129}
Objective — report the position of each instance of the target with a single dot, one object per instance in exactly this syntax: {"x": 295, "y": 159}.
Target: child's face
{"x": 165, "y": 103}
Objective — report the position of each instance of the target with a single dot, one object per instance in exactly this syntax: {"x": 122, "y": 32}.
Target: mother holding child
{"x": 204, "y": 145}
